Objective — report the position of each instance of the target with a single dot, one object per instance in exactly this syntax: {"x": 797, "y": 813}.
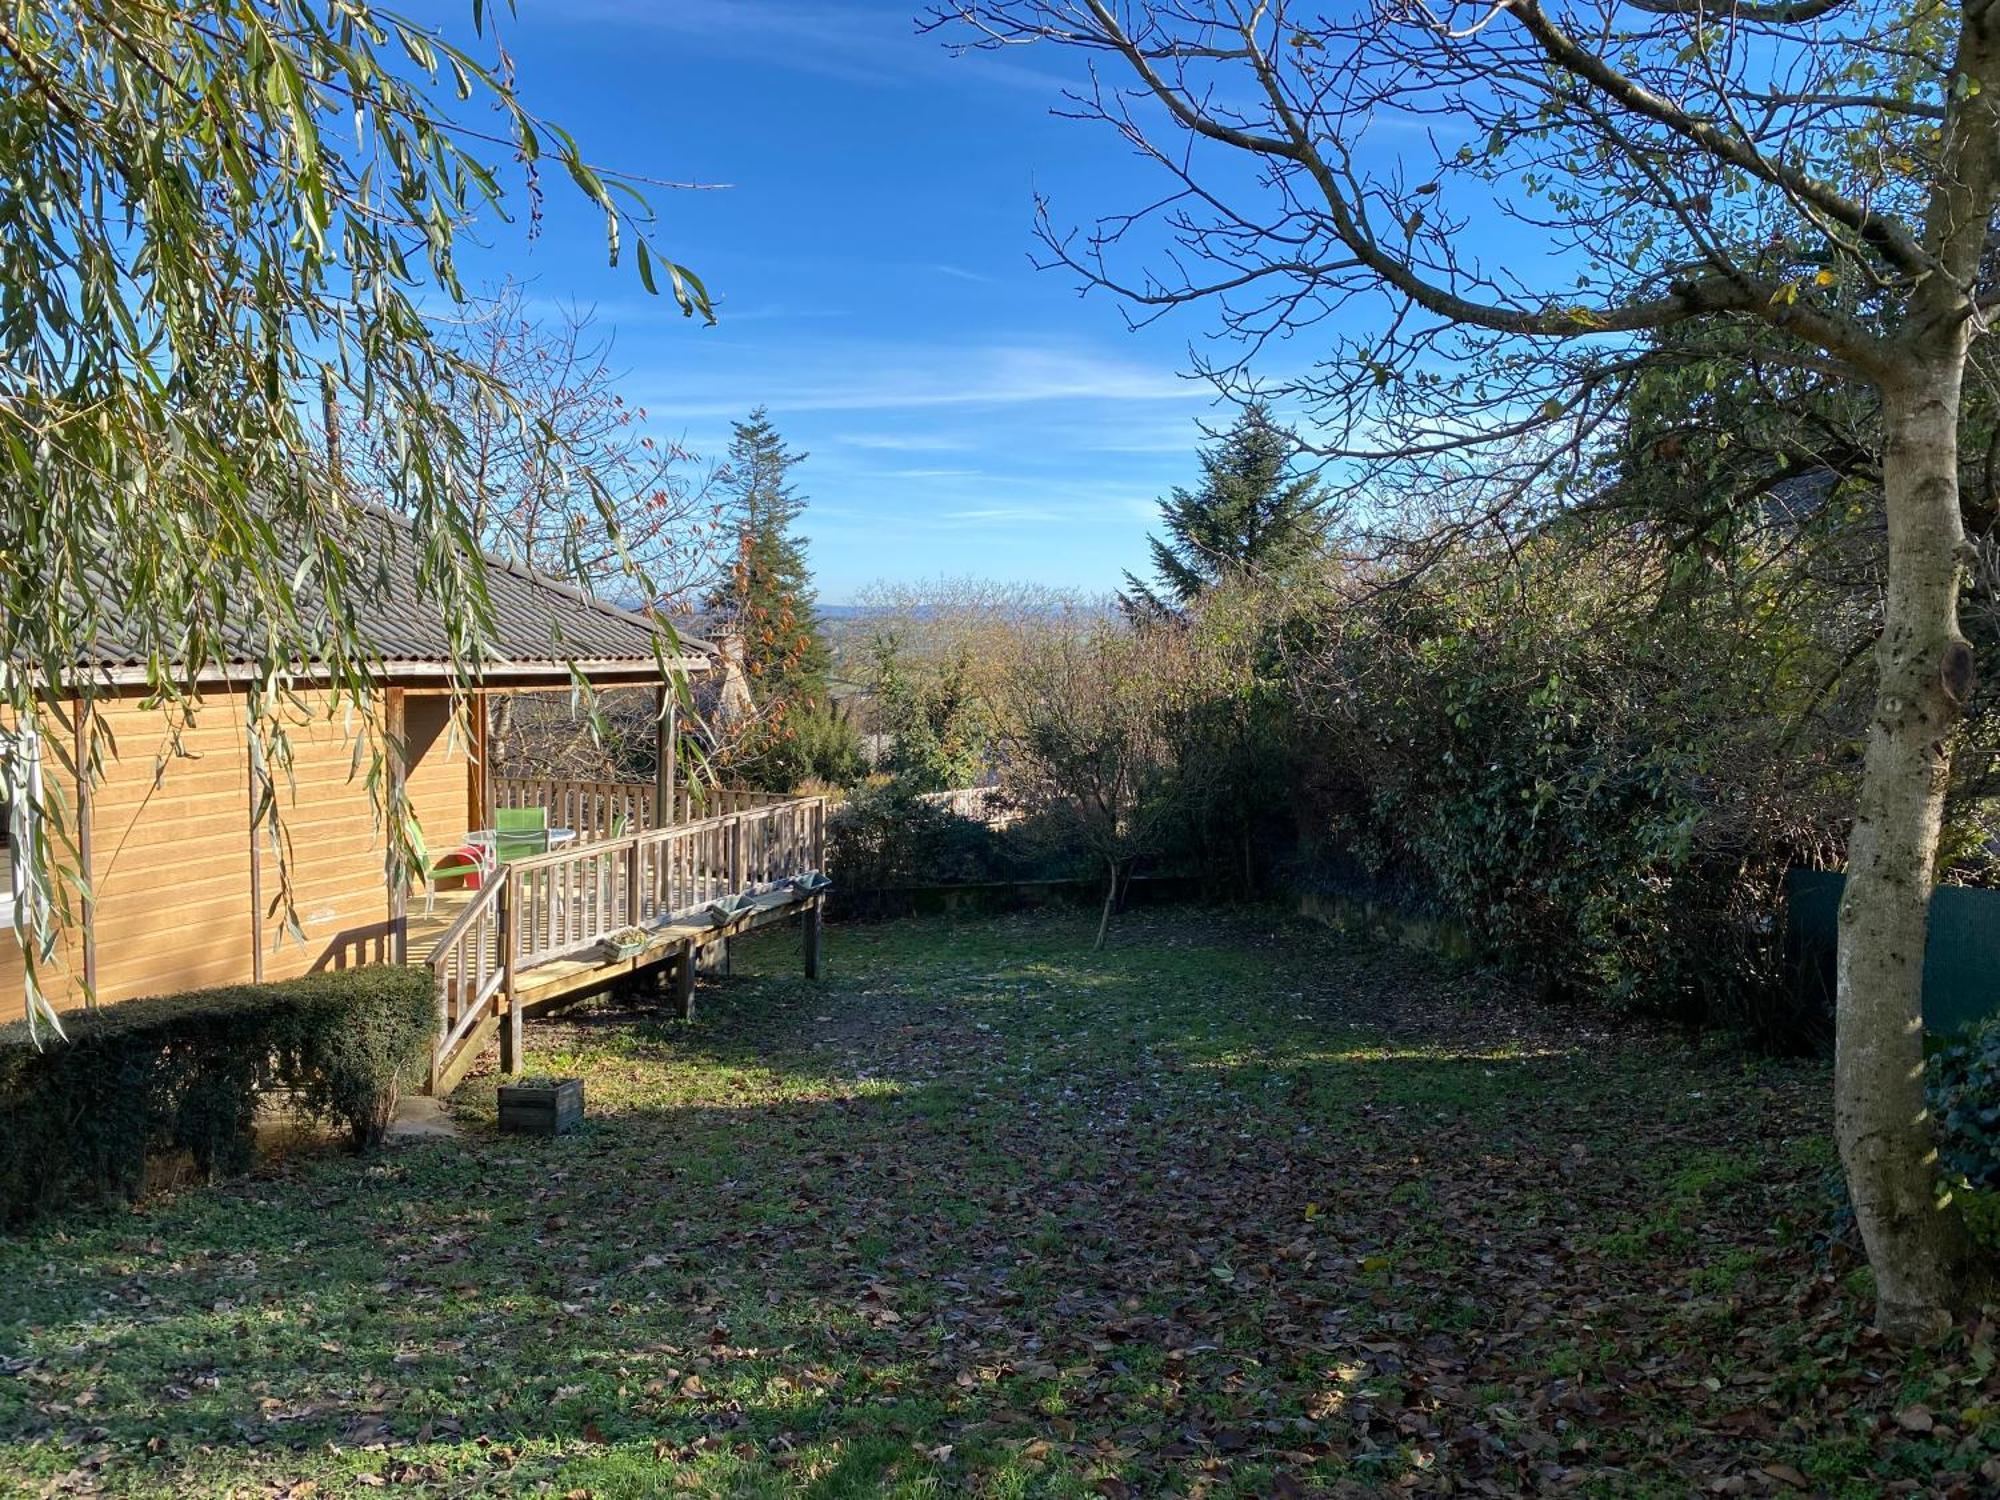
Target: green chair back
{"x": 519, "y": 832}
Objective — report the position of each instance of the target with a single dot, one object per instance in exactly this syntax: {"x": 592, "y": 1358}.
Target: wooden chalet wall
{"x": 183, "y": 901}
{"x": 338, "y": 872}
{"x": 170, "y": 851}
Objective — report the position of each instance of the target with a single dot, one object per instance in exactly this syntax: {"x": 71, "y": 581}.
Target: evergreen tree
{"x": 797, "y": 735}
{"x": 1251, "y": 517}
{"x": 936, "y": 726}
{"x": 768, "y": 594}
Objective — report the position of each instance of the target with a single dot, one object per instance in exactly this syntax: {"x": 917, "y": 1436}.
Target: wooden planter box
{"x": 541, "y": 1106}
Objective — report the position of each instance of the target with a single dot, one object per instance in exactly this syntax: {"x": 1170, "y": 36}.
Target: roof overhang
{"x": 598, "y": 671}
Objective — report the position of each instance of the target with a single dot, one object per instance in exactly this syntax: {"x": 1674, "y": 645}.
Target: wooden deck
{"x": 532, "y": 938}
{"x": 424, "y": 931}
{"x": 559, "y": 977}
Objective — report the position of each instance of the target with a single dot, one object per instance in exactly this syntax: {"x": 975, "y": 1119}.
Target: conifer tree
{"x": 769, "y": 594}
{"x": 797, "y": 735}
{"x": 1251, "y": 517}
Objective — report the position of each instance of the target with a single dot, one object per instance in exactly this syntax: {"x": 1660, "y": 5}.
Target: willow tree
{"x": 1564, "y": 176}
{"x": 216, "y": 217}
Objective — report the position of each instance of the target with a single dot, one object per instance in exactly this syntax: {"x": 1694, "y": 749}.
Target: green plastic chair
{"x": 464, "y": 864}
{"x": 519, "y": 832}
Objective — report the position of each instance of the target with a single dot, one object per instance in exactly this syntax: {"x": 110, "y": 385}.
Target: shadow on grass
{"x": 979, "y": 1215}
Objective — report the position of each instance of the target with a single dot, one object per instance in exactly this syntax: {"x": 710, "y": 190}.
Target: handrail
{"x": 571, "y": 851}
{"x": 467, "y": 914}
{"x": 558, "y": 904}
{"x": 593, "y": 808}
{"x": 568, "y": 899}
{"x": 469, "y": 967}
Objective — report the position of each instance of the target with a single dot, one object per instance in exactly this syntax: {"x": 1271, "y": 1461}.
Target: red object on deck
{"x": 475, "y": 865}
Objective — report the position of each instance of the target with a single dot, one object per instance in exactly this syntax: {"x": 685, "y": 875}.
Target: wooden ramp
{"x": 535, "y": 936}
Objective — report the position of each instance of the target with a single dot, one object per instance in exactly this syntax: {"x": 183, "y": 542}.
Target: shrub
{"x": 805, "y": 745}
{"x": 1605, "y": 768}
{"x": 78, "y": 1119}
{"x": 888, "y": 836}
{"x": 935, "y": 725}
{"x": 1964, "y": 1087}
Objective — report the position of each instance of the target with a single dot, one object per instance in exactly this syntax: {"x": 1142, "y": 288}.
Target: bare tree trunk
{"x": 1110, "y": 901}
{"x": 1925, "y": 672}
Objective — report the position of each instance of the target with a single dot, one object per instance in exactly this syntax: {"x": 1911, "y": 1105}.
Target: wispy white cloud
{"x": 959, "y": 273}
{"x": 772, "y": 312}
{"x": 1013, "y": 513}
{"x": 904, "y": 442}
{"x": 854, "y": 379}
{"x": 877, "y": 45}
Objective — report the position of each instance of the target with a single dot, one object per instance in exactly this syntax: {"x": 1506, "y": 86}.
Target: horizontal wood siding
{"x": 171, "y": 849}
{"x": 170, "y": 867}
{"x": 440, "y": 769}
{"x": 339, "y": 889}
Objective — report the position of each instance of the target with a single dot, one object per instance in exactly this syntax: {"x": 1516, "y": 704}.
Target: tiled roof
{"x": 538, "y": 621}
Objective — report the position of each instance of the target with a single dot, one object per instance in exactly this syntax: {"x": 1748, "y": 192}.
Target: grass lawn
{"x": 1233, "y": 1208}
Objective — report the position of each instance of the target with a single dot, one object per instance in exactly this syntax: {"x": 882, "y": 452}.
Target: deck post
{"x": 398, "y": 877}
{"x": 510, "y": 1027}
{"x": 684, "y": 983}
{"x": 666, "y": 750}
{"x": 635, "y": 907}
{"x": 815, "y": 934}
{"x": 479, "y": 774}
{"x": 510, "y": 1037}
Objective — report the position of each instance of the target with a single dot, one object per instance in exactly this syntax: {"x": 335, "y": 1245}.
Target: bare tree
{"x": 1829, "y": 168}
{"x": 565, "y": 478}
{"x": 568, "y": 480}
{"x": 1088, "y": 745}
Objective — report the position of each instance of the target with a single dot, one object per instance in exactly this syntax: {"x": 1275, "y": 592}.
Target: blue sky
{"x": 964, "y": 413}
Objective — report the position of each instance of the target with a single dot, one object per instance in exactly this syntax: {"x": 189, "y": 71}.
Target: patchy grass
{"x": 1232, "y": 1208}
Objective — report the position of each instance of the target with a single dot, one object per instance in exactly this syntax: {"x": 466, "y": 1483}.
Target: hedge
{"x": 79, "y": 1118}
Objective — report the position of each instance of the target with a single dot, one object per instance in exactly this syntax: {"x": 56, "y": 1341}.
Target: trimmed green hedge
{"x": 78, "y": 1119}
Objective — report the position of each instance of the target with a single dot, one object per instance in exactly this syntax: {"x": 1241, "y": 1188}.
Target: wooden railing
{"x": 563, "y": 902}
{"x": 595, "y": 808}
{"x": 469, "y": 964}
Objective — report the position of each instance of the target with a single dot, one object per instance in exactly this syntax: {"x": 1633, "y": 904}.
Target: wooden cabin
{"x": 182, "y": 896}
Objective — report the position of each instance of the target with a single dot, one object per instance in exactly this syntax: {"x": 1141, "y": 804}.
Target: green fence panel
{"x": 1961, "y": 955}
